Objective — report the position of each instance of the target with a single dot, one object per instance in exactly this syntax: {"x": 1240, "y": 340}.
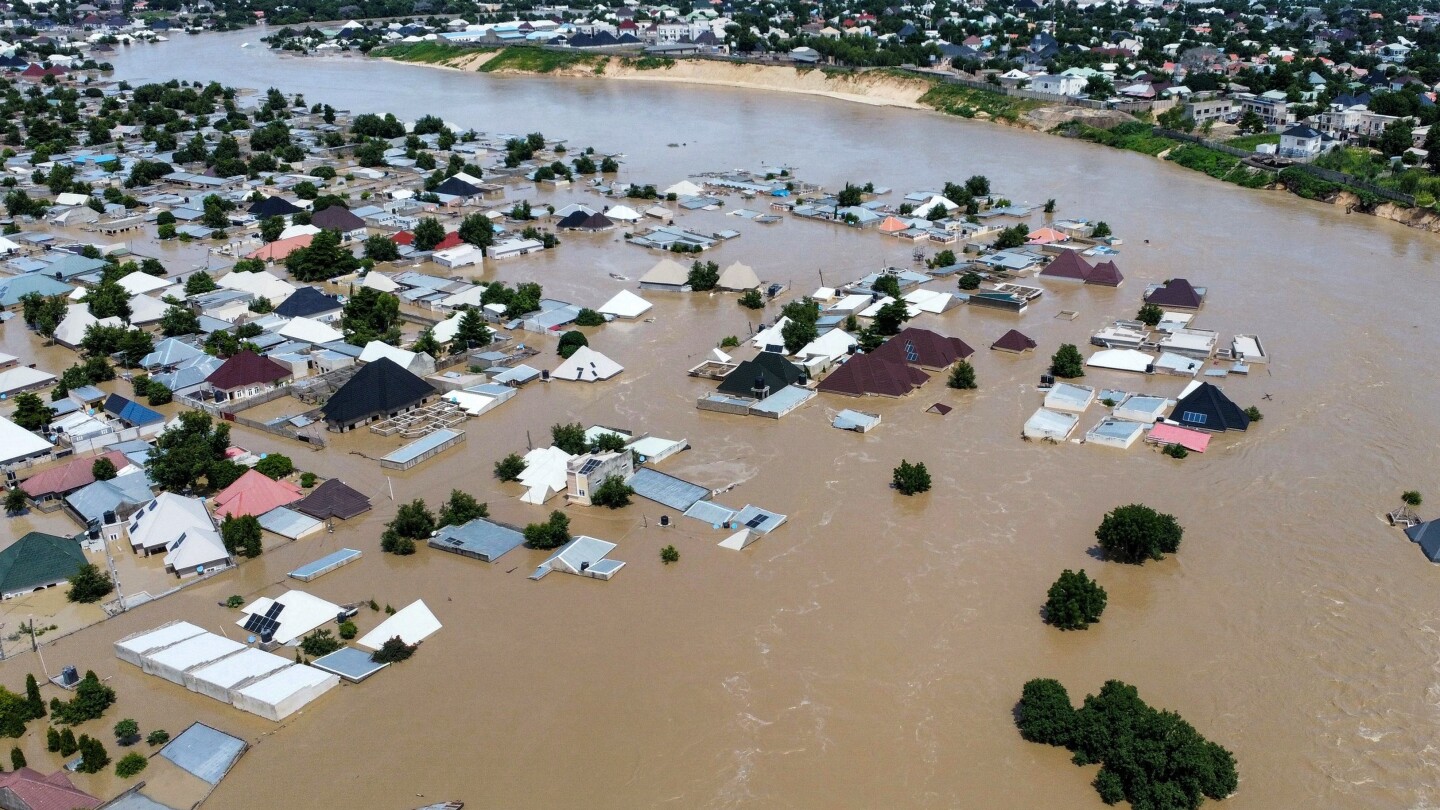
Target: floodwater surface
{"x": 870, "y": 652}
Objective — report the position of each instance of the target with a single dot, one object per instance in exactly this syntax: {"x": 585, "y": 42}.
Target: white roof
{"x": 69, "y": 198}
{"x": 161, "y": 521}
{"x": 379, "y": 281}
{"x": 470, "y": 402}
{"x": 470, "y": 296}
{"x": 834, "y": 344}
{"x": 195, "y": 548}
{"x": 929, "y": 205}
{"x": 1121, "y": 359}
{"x": 738, "y": 277}
{"x": 138, "y": 283}
{"x": 623, "y": 213}
{"x": 771, "y": 336}
{"x": 874, "y": 309}
{"x": 1069, "y": 397}
{"x": 302, "y": 613}
{"x": 625, "y": 304}
{"x": 544, "y": 473}
{"x": 276, "y": 688}
{"x": 1047, "y": 424}
{"x": 459, "y": 253}
{"x": 823, "y": 294}
{"x": 298, "y": 230}
{"x": 446, "y": 329}
{"x": 587, "y": 365}
{"x": 666, "y": 271}
{"x": 561, "y": 213}
{"x": 413, "y": 624}
{"x": 374, "y": 350}
{"x": 12, "y": 379}
{"x": 201, "y": 649}
{"x": 309, "y": 330}
{"x": 77, "y": 319}
{"x": 145, "y": 309}
{"x": 159, "y": 637}
{"x": 850, "y": 303}
{"x": 684, "y": 188}
{"x": 17, "y": 442}
{"x": 262, "y": 284}
{"x": 228, "y": 672}
{"x": 933, "y": 301}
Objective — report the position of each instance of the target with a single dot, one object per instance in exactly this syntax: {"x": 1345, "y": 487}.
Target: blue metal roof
{"x": 667, "y": 490}
{"x": 131, "y": 412}
{"x": 205, "y": 752}
{"x": 479, "y": 538}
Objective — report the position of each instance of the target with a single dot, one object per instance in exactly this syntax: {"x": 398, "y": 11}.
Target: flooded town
{"x": 699, "y": 443}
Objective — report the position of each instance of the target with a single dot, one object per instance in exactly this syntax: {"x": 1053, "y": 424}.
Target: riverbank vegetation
{"x": 525, "y": 59}
{"x": 429, "y": 53}
{"x": 970, "y": 102}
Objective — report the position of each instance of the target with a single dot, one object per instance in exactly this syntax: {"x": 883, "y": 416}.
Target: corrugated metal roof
{"x": 667, "y": 490}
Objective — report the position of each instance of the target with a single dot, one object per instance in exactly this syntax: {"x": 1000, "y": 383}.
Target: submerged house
{"x": 378, "y": 390}
{"x": 924, "y": 348}
{"x": 245, "y": 375}
{"x": 1177, "y": 293}
{"x": 38, "y": 561}
{"x": 1068, "y": 265}
{"x": 1014, "y": 342}
{"x": 869, "y": 374}
{"x": 767, "y": 373}
{"x": 584, "y": 556}
{"x": 1207, "y": 408}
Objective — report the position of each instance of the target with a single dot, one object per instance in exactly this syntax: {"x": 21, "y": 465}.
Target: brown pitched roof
{"x": 1068, "y": 265}
{"x": 337, "y": 218}
{"x": 1177, "y": 292}
{"x": 246, "y": 368}
{"x": 1013, "y": 341}
{"x": 41, "y": 792}
{"x": 872, "y": 374}
{"x": 70, "y": 476}
{"x": 1105, "y": 274}
{"x": 921, "y": 347}
{"x": 333, "y": 498}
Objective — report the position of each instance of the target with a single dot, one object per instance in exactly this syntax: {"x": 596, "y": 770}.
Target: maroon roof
{"x": 1068, "y": 265}
{"x": 337, "y": 218}
{"x": 1013, "y": 341}
{"x": 1105, "y": 274}
{"x": 246, "y": 368}
{"x": 921, "y": 347}
{"x": 1177, "y": 292}
{"x": 40, "y": 792}
{"x": 872, "y": 374}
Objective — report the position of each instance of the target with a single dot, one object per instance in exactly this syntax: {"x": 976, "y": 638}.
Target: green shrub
{"x": 131, "y": 764}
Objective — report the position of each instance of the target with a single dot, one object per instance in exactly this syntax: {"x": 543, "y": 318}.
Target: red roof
{"x": 403, "y": 238}
{"x": 246, "y": 368}
{"x": 451, "y": 240}
{"x": 254, "y": 493}
{"x": 41, "y": 792}
{"x": 871, "y": 374}
{"x": 70, "y": 476}
{"x": 1185, "y": 437}
{"x": 921, "y": 347}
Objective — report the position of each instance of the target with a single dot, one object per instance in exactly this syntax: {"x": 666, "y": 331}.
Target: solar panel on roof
{"x": 755, "y": 522}
{"x": 274, "y": 611}
{"x": 910, "y": 353}
{"x": 252, "y": 624}
{"x": 590, "y": 466}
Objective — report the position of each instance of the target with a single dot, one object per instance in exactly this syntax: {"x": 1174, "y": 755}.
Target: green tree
{"x": 1067, "y": 362}
{"x": 17, "y": 758}
{"x": 68, "y": 745}
{"x": 103, "y": 469}
{"x": 158, "y": 394}
{"x": 797, "y": 334}
{"x": 569, "y": 438}
{"x": 471, "y": 332}
{"x": 1411, "y": 497}
{"x": 752, "y": 299}
{"x": 850, "y": 195}
{"x": 1136, "y": 533}
{"x": 1045, "y": 714}
{"x": 613, "y": 493}
{"x": 1397, "y": 138}
{"x": 371, "y": 315}
{"x": 1012, "y": 237}
{"x": 476, "y": 229}
{"x": 242, "y": 535}
{"x": 962, "y": 377}
{"x": 570, "y": 342}
{"x": 1251, "y": 121}
{"x": 428, "y": 233}
{"x": 275, "y": 465}
{"x": 185, "y": 453}
{"x": 589, "y": 317}
{"x": 891, "y": 317}
{"x": 200, "y": 283}
{"x": 1101, "y": 230}
{"x": 1075, "y": 601}
{"x": 127, "y": 732}
{"x": 413, "y": 521}
{"x": 31, "y": 412}
{"x": 91, "y": 700}
{"x": 89, "y": 584}
{"x": 52, "y": 740}
{"x": 14, "y": 713}
{"x": 461, "y": 508}
{"x": 393, "y": 651}
{"x": 320, "y": 643}
{"x": 109, "y": 300}
{"x": 426, "y": 343}
{"x": 324, "y": 258}
{"x": 1254, "y": 414}
{"x": 134, "y": 345}
{"x": 271, "y": 228}
{"x": 669, "y": 554}
{"x": 887, "y": 284}
{"x": 131, "y": 764}
{"x": 381, "y": 248}
{"x": 157, "y": 737}
{"x": 703, "y": 276}
{"x": 510, "y": 467}
{"x": 978, "y": 185}
{"x": 93, "y": 755}
{"x": 179, "y": 320}
{"x": 553, "y": 533}
{"x": 911, "y": 479}
{"x": 32, "y": 696}
{"x": 1150, "y": 314}
{"x": 15, "y": 502}
{"x": 348, "y": 630}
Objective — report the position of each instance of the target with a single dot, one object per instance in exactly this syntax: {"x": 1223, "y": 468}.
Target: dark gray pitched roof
{"x": 379, "y": 387}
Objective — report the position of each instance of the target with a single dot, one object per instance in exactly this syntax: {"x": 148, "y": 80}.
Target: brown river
{"x": 869, "y": 653}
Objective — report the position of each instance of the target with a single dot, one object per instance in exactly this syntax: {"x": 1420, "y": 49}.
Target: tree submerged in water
{"x": 393, "y": 651}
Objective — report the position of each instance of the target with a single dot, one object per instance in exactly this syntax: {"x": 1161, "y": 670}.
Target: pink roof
{"x": 1045, "y": 236}
{"x": 41, "y": 792}
{"x": 1185, "y": 437}
{"x": 254, "y": 493}
{"x": 70, "y": 476}
{"x": 277, "y": 251}
{"x": 893, "y": 224}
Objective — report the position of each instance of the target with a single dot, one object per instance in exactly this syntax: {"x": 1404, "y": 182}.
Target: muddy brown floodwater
{"x": 869, "y": 653}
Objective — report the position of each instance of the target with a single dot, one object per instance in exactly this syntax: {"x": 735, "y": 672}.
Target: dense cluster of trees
{"x": 1075, "y": 601}
{"x": 553, "y": 533}
{"x": 1150, "y": 758}
{"x": 1136, "y": 533}
{"x": 191, "y": 451}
